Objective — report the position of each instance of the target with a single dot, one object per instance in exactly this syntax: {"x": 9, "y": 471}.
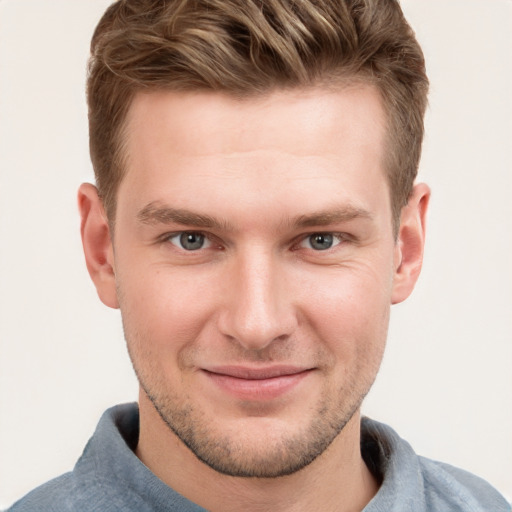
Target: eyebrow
{"x": 155, "y": 213}
{"x": 335, "y": 216}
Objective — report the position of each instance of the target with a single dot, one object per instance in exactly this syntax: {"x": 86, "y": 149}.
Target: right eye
{"x": 189, "y": 240}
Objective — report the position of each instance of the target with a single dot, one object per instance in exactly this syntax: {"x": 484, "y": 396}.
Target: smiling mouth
{"x": 257, "y": 383}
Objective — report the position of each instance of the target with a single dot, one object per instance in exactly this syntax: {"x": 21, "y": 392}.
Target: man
{"x": 255, "y": 217}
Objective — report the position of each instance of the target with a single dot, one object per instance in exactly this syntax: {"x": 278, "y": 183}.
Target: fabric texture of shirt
{"x": 109, "y": 477}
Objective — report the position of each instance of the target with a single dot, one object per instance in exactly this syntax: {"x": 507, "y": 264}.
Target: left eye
{"x": 320, "y": 241}
{"x": 189, "y": 240}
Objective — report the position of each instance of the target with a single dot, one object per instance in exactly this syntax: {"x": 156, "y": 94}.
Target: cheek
{"x": 349, "y": 309}
{"x": 352, "y": 325}
{"x": 163, "y": 309}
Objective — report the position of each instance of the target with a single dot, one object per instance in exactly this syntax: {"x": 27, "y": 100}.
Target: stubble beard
{"x": 239, "y": 456}
{"x": 235, "y": 454}
{"x": 273, "y": 458}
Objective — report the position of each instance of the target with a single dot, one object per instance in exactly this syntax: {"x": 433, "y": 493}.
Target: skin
{"x": 255, "y": 349}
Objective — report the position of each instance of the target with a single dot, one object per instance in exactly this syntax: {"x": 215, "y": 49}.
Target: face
{"x": 254, "y": 263}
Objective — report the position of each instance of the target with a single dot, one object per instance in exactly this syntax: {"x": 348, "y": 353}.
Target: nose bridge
{"x": 260, "y": 308}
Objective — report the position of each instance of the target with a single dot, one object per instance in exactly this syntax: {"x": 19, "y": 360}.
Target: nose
{"x": 260, "y": 305}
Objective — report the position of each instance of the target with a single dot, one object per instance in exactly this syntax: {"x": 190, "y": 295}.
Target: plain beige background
{"x": 446, "y": 382}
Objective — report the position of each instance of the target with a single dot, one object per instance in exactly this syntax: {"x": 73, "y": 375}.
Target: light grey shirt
{"x": 109, "y": 477}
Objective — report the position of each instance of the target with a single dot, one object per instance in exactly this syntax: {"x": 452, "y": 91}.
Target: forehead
{"x": 300, "y": 149}
{"x": 305, "y": 121}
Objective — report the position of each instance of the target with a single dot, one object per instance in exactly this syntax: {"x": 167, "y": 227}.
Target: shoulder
{"x": 52, "y": 496}
{"x": 92, "y": 484}
{"x": 460, "y": 489}
{"x": 73, "y": 492}
{"x": 411, "y": 482}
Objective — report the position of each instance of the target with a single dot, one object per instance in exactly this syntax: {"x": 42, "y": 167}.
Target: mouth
{"x": 258, "y": 384}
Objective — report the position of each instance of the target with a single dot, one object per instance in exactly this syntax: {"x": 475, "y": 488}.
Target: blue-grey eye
{"x": 189, "y": 240}
{"x": 320, "y": 241}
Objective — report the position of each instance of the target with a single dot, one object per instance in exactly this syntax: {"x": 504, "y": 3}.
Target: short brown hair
{"x": 251, "y": 47}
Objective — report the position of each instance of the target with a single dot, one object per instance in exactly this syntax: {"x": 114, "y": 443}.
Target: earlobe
{"x": 97, "y": 244}
{"x": 410, "y": 243}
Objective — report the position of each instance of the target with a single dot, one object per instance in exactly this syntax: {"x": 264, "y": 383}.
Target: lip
{"x": 257, "y": 384}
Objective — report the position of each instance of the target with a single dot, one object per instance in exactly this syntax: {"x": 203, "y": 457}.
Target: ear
{"x": 410, "y": 243}
{"x": 97, "y": 244}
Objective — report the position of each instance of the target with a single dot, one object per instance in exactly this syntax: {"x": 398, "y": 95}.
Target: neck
{"x": 337, "y": 480}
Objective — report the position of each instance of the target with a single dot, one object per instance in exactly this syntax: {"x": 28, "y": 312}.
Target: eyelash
{"x": 340, "y": 238}
{"x": 169, "y": 236}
